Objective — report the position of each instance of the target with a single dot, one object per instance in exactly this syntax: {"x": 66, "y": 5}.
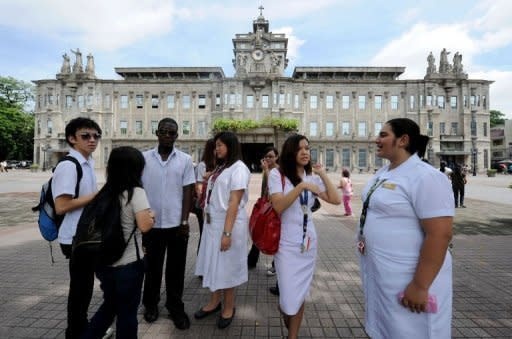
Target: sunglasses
{"x": 163, "y": 133}
{"x": 88, "y": 136}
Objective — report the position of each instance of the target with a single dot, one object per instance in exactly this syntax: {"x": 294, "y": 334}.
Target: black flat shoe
{"x": 225, "y": 322}
{"x": 180, "y": 320}
{"x": 151, "y": 314}
{"x": 274, "y": 290}
{"x": 203, "y": 314}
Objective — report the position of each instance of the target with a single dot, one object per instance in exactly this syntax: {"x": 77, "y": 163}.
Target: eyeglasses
{"x": 164, "y": 133}
{"x": 88, "y": 136}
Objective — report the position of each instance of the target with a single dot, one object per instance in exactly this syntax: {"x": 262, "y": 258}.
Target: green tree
{"x": 16, "y": 122}
{"x": 497, "y": 118}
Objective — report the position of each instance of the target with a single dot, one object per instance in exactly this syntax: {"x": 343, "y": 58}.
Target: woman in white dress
{"x": 296, "y": 257}
{"x": 403, "y": 238}
{"x": 223, "y": 249}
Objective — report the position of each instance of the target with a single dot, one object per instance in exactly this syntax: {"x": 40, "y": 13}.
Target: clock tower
{"x": 260, "y": 53}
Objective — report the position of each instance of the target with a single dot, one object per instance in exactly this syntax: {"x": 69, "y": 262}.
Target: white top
{"x": 138, "y": 203}
{"x": 236, "y": 177}
{"x": 164, "y": 181}
{"x": 393, "y": 237}
{"x": 447, "y": 170}
{"x": 292, "y": 218}
{"x": 64, "y": 183}
{"x": 200, "y": 171}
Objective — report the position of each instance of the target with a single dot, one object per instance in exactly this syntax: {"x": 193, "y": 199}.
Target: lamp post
{"x": 44, "y": 158}
{"x": 474, "y": 161}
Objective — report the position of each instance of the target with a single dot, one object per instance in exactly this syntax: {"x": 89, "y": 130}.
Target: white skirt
{"x": 295, "y": 272}
{"x": 226, "y": 269}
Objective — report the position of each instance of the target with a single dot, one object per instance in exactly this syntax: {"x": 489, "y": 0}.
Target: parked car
{"x": 11, "y": 164}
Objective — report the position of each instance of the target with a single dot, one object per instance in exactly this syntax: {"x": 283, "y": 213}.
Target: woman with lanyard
{"x": 296, "y": 257}
{"x": 403, "y": 238}
{"x": 222, "y": 252}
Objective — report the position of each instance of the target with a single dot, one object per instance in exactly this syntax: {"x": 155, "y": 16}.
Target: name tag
{"x": 389, "y": 186}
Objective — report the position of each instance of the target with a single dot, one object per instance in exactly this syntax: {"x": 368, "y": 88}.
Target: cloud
{"x": 294, "y": 43}
{"x": 99, "y": 25}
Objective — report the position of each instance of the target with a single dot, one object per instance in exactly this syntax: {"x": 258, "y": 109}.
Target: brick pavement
{"x": 33, "y": 293}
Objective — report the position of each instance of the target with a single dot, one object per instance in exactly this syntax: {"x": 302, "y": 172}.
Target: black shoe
{"x": 180, "y": 320}
{"x": 225, "y": 322}
{"x": 151, "y": 314}
{"x": 274, "y": 290}
{"x": 203, "y": 314}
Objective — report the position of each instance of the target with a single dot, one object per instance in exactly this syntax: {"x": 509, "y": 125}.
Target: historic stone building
{"x": 340, "y": 109}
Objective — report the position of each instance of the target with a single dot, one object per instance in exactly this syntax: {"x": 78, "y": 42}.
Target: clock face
{"x": 257, "y": 54}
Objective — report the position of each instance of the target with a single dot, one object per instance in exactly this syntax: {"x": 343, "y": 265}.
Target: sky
{"x": 166, "y": 33}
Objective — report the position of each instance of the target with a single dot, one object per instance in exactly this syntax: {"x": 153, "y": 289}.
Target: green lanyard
{"x": 362, "y": 220}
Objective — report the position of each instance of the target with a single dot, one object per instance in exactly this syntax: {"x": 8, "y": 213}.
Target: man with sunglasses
{"x": 169, "y": 182}
{"x": 83, "y": 135}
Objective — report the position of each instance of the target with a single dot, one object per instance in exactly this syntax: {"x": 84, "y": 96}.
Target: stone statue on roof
{"x": 431, "y": 68}
{"x": 89, "y": 68}
{"x": 66, "y": 65}
{"x": 77, "y": 67}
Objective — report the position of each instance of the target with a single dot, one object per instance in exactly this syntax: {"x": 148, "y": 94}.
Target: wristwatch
{"x": 184, "y": 223}
{"x": 227, "y": 234}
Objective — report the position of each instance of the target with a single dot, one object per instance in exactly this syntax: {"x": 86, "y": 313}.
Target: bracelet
{"x": 227, "y": 234}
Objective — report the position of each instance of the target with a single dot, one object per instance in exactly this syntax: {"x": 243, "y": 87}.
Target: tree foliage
{"x": 497, "y": 118}
{"x": 225, "y": 124}
{"x": 16, "y": 125}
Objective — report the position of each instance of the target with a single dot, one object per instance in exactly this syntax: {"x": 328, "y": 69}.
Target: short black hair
{"x": 270, "y": 149}
{"x": 167, "y": 120}
{"x": 78, "y": 123}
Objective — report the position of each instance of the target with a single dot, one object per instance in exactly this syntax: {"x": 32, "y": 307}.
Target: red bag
{"x": 265, "y": 225}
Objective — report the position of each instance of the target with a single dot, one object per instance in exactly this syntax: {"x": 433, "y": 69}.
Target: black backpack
{"x": 99, "y": 234}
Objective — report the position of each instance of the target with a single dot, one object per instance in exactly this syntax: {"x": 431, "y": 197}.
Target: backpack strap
{"x": 79, "y": 172}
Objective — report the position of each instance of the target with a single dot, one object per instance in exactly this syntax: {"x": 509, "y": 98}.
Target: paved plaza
{"x": 33, "y": 292}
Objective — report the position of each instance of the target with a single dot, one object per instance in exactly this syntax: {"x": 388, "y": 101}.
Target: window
{"x": 329, "y": 157}
{"x": 378, "y": 102}
{"x": 361, "y": 129}
{"x": 429, "y": 100}
{"x": 106, "y": 126}
{"x": 38, "y": 127}
{"x": 485, "y": 129}
{"x": 345, "y": 102}
{"x": 411, "y": 102}
{"x": 362, "y": 102}
{"x": 264, "y": 101}
{"x": 249, "y": 101}
{"x": 296, "y": 101}
{"x": 89, "y": 100}
{"x": 138, "y": 127}
{"x": 50, "y": 99}
{"x": 378, "y": 161}
{"x": 313, "y": 102}
{"x": 186, "y": 102}
{"x": 139, "y": 101}
{"x": 440, "y": 101}
{"x": 69, "y": 101}
{"x": 484, "y": 101}
{"x": 478, "y": 100}
{"x": 217, "y": 101}
{"x": 362, "y": 163}
{"x": 472, "y": 100}
{"x": 454, "y": 129}
{"x": 329, "y": 102}
{"x": 329, "y": 129}
{"x": 421, "y": 100}
{"x": 442, "y": 128}
{"x": 345, "y": 128}
{"x": 430, "y": 128}
{"x": 81, "y": 102}
{"x": 465, "y": 101}
{"x": 313, "y": 129}
{"x": 275, "y": 99}
{"x": 186, "y": 127}
{"x": 394, "y": 102}
{"x": 124, "y": 101}
{"x": 473, "y": 128}
{"x": 170, "y": 102}
{"x": 201, "y": 128}
{"x": 345, "y": 157}
{"x": 378, "y": 127}
{"x": 154, "y": 101}
{"x": 486, "y": 158}
{"x": 154, "y": 126}
{"x": 314, "y": 155}
{"x": 232, "y": 99}
{"x": 281, "y": 100}
{"x": 49, "y": 127}
{"x": 453, "y": 102}
{"x": 106, "y": 104}
{"x": 123, "y": 125}
{"x": 201, "y": 104}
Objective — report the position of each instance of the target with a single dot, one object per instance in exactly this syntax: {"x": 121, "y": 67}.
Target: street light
{"x": 474, "y": 162}
{"x": 44, "y": 158}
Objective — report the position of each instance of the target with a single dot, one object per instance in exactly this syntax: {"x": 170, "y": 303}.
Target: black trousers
{"x": 200, "y": 220}
{"x": 458, "y": 194}
{"x": 157, "y": 242}
{"x": 81, "y": 285}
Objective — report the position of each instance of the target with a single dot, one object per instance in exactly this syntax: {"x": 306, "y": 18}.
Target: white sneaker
{"x": 271, "y": 272}
{"x": 109, "y": 333}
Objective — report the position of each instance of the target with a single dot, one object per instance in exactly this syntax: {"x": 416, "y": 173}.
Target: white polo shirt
{"x": 64, "y": 182}
{"x": 164, "y": 181}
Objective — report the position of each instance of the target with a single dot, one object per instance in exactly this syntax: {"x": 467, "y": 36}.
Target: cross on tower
{"x": 261, "y": 8}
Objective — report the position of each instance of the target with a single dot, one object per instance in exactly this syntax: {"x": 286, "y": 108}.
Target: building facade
{"x": 340, "y": 109}
{"x": 501, "y": 142}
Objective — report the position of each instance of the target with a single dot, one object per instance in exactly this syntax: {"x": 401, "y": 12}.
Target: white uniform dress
{"x": 393, "y": 236}
{"x": 226, "y": 269}
{"x": 294, "y": 268}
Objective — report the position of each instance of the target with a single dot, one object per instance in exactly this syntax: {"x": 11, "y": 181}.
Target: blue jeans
{"x": 121, "y": 288}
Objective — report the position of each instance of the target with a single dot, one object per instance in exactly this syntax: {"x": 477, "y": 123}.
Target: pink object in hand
{"x": 431, "y": 306}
